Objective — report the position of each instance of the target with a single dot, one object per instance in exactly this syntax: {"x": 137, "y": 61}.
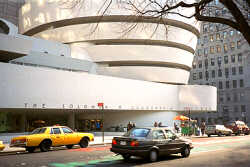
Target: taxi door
{"x": 69, "y": 136}
{"x": 57, "y": 137}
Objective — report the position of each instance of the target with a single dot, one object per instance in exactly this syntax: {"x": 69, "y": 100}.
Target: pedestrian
{"x": 133, "y": 125}
{"x": 203, "y": 127}
{"x": 176, "y": 127}
{"x": 129, "y": 126}
{"x": 155, "y": 124}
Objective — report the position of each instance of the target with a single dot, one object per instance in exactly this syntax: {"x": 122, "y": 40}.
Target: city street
{"x": 214, "y": 151}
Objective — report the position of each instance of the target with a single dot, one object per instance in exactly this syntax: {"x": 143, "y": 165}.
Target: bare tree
{"x": 234, "y": 13}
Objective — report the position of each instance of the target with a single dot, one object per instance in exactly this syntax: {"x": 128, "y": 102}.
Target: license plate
{"x": 123, "y": 143}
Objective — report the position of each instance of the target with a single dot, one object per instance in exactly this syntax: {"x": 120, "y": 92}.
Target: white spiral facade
{"x": 151, "y": 51}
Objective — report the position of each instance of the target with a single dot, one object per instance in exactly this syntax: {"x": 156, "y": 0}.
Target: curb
{"x": 2, "y": 153}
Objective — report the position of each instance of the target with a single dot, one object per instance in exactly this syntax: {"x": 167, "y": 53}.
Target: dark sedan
{"x": 150, "y": 143}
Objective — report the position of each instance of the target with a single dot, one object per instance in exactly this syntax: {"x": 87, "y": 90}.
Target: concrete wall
{"x": 34, "y": 87}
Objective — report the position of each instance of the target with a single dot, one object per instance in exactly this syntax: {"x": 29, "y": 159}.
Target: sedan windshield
{"x": 38, "y": 131}
{"x": 137, "y": 133}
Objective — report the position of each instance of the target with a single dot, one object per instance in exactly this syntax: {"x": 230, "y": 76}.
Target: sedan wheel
{"x": 45, "y": 145}
{"x": 69, "y": 146}
{"x": 186, "y": 152}
{"x": 84, "y": 143}
{"x": 126, "y": 156}
{"x": 153, "y": 155}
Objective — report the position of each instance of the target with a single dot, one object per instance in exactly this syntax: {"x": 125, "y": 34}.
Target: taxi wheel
{"x": 84, "y": 143}
{"x": 220, "y": 134}
{"x": 186, "y": 152}
{"x": 69, "y": 146}
{"x": 30, "y": 149}
{"x": 45, "y": 145}
{"x": 153, "y": 155}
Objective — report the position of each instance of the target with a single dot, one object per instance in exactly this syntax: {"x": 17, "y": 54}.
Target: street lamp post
{"x": 101, "y": 106}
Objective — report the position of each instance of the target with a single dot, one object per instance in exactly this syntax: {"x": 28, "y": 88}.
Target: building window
{"x": 211, "y": 38}
{"x": 212, "y": 49}
{"x": 217, "y": 12}
{"x": 234, "y": 83}
{"x": 218, "y": 48}
{"x": 238, "y": 44}
{"x": 232, "y": 58}
{"x": 194, "y": 76}
{"x": 221, "y": 99}
{"x": 240, "y": 57}
{"x": 231, "y": 33}
{"x": 207, "y": 75}
{"x": 219, "y": 73}
{"x": 200, "y": 75}
{"x": 212, "y": 61}
{"x": 199, "y": 52}
{"x": 219, "y": 61}
{"x": 206, "y": 63}
{"x": 213, "y": 73}
{"x": 226, "y": 59}
{"x": 240, "y": 70}
{"x": 220, "y": 85}
{"x": 227, "y": 84}
{"x": 211, "y": 26}
{"x": 232, "y": 45}
{"x": 228, "y": 97}
{"x": 205, "y": 51}
{"x": 205, "y": 28}
{"x": 205, "y": 39}
{"x": 243, "y": 108}
{"x": 224, "y": 11}
{"x": 233, "y": 70}
{"x": 241, "y": 83}
{"x": 194, "y": 65}
{"x": 200, "y": 64}
{"x": 225, "y": 47}
{"x": 225, "y": 34}
{"x": 217, "y": 36}
{"x": 226, "y": 72}
{"x": 198, "y": 41}
{"x": 242, "y": 96}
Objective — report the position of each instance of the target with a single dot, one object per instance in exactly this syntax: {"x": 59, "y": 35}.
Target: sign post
{"x": 101, "y": 106}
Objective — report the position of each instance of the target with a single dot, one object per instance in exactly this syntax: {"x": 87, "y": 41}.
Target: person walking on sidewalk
{"x": 203, "y": 127}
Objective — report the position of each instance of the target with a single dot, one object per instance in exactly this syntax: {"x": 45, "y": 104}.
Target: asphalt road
{"x": 215, "y": 151}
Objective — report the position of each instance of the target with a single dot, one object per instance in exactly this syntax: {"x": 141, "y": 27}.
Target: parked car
{"x": 150, "y": 142}
{"x": 47, "y": 137}
{"x": 2, "y": 146}
{"x": 218, "y": 130}
{"x": 238, "y": 127}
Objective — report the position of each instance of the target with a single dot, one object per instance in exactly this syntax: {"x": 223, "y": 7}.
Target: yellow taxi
{"x": 46, "y": 137}
{"x": 2, "y": 146}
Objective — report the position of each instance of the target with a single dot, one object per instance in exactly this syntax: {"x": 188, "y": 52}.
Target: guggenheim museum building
{"x": 60, "y": 62}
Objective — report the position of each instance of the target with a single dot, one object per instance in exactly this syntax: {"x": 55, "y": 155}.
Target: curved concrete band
{"x": 137, "y": 42}
{"x": 110, "y": 18}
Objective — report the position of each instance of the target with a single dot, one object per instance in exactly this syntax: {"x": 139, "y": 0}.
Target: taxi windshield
{"x": 38, "y": 131}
